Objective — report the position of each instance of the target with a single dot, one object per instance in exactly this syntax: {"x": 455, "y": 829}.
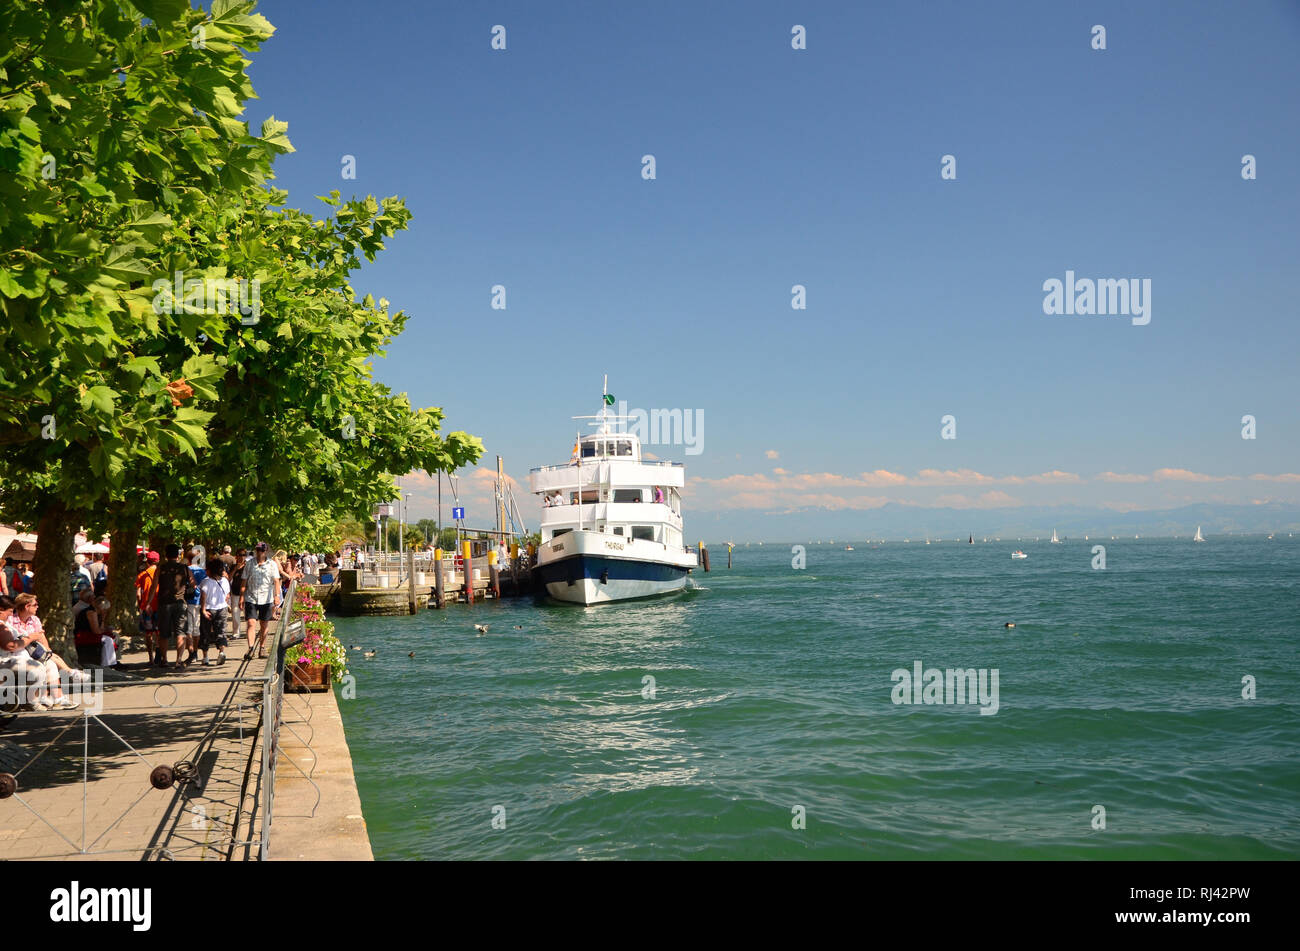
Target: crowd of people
{"x": 187, "y": 602}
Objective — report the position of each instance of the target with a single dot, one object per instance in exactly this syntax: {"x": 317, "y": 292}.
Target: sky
{"x": 822, "y": 167}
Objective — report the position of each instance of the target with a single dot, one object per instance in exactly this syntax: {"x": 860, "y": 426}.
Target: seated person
{"x": 37, "y": 680}
{"x": 30, "y": 634}
{"x": 90, "y": 630}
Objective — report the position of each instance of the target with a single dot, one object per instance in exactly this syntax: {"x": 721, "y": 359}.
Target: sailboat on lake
{"x": 1198, "y": 537}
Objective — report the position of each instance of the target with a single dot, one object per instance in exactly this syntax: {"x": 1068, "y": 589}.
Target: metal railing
{"x": 235, "y": 717}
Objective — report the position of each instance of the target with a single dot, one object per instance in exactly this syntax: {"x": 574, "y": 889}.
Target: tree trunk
{"x": 53, "y": 570}
{"x": 125, "y": 613}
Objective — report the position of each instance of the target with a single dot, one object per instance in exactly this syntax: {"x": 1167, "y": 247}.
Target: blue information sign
{"x": 458, "y": 513}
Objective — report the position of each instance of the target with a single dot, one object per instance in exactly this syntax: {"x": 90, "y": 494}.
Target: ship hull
{"x": 592, "y": 568}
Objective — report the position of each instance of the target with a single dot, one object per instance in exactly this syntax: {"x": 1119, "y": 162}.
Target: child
{"x": 214, "y": 606}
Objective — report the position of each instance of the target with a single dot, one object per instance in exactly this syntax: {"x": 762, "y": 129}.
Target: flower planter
{"x": 303, "y": 678}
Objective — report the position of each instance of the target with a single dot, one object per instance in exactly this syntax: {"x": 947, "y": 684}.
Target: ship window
{"x": 619, "y": 530}
{"x": 588, "y": 450}
{"x": 560, "y": 531}
{"x": 644, "y": 532}
{"x": 624, "y": 448}
{"x": 627, "y": 495}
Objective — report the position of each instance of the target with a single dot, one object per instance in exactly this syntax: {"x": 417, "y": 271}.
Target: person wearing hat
{"x": 261, "y": 596}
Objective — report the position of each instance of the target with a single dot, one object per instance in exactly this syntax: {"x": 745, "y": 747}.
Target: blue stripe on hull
{"x": 594, "y": 566}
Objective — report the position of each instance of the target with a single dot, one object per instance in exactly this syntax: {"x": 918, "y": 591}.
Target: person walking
{"x": 174, "y": 585}
{"x": 193, "y": 612}
{"x": 214, "y": 603}
{"x": 98, "y": 573}
{"x": 261, "y": 587}
{"x": 146, "y": 590}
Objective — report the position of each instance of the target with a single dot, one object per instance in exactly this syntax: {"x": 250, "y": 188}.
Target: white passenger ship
{"x": 611, "y": 521}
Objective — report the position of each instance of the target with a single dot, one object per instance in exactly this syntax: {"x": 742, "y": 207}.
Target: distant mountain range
{"x": 903, "y": 521}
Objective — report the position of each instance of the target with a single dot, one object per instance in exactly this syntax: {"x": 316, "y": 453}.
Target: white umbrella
{"x": 91, "y": 548}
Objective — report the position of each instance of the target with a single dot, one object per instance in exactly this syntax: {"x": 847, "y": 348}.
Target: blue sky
{"x": 821, "y": 167}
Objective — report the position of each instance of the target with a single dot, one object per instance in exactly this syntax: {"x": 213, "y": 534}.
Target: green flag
{"x": 609, "y": 399}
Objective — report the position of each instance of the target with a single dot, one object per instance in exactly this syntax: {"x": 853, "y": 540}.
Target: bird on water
{"x": 481, "y": 628}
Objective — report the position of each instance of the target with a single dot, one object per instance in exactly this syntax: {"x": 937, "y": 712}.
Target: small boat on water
{"x": 848, "y": 548}
{"x": 1018, "y": 554}
{"x": 1055, "y": 540}
{"x": 1200, "y": 538}
{"x": 611, "y": 521}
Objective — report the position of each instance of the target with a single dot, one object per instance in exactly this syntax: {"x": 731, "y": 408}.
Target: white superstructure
{"x": 611, "y": 521}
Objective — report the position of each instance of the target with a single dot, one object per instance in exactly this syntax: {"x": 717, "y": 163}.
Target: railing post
{"x": 272, "y": 701}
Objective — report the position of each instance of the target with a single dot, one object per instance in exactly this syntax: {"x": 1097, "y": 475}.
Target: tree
{"x": 188, "y": 355}
{"x": 114, "y": 127}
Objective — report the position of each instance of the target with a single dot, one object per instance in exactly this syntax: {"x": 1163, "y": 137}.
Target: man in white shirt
{"x": 261, "y": 584}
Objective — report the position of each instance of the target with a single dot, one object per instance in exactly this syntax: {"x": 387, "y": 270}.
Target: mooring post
{"x": 410, "y": 579}
{"x": 494, "y": 574}
{"x": 437, "y": 577}
{"x": 514, "y": 569}
{"x": 728, "y": 556}
{"x": 704, "y": 556}
{"x": 466, "y": 548}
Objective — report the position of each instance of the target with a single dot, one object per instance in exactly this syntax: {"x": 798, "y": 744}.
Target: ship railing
{"x": 597, "y": 460}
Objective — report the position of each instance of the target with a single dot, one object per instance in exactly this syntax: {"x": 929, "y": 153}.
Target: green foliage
{"x": 125, "y": 171}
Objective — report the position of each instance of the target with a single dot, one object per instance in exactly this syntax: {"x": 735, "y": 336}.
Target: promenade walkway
{"x": 84, "y": 788}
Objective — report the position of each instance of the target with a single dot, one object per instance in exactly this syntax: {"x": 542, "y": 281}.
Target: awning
{"x": 16, "y": 544}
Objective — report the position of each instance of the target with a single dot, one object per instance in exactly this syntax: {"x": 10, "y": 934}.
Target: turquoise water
{"x": 1120, "y": 688}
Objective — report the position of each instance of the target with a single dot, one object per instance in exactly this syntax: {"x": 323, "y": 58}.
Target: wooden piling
{"x": 437, "y": 579}
{"x": 704, "y": 556}
{"x": 410, "y": 579}
{"x": 494, "y": 574}
{"x": 468, "y": 560}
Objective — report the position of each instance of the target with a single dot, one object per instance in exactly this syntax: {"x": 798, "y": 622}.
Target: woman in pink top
{"x": 28, "y": 631}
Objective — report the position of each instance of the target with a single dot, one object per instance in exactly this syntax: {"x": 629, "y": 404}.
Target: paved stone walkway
{"x": 102, "y": 805}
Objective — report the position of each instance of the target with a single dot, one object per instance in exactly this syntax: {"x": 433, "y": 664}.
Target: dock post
{"x": 704, "y": 556}
{"x": 494, "y": 574}
{"x": 437, "y": 577}
{"x": 728, "y": 556}
{"x": 514, "y": 569}
{"x": 410, "y": 579}
{"x": 466, "y": 548}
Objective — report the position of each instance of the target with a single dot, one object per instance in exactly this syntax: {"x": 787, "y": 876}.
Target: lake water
{"x": 773, "y": 706}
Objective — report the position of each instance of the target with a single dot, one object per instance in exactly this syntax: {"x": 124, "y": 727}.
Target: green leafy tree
{"x": 133, "y": 223}
{"x": 118, "y": 121}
